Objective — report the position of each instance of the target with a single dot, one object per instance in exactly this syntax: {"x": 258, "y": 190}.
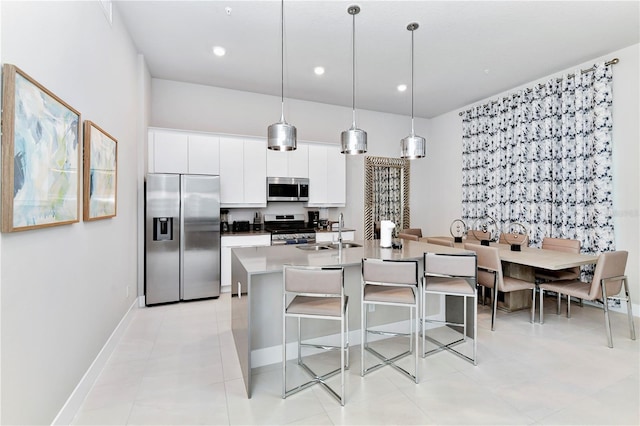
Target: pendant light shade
{"x": 282, "y": 136}
{"x": 413, "y": 146}
{"x": 354, "y": 140}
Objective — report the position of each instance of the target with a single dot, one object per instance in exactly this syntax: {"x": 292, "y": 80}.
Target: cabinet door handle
{"x": 239, "y": 290}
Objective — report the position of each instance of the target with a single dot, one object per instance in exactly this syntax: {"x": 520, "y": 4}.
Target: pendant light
{"x": 354, "y": 140}
{"x": 413, "y": 146}
{"x": 282, "y": 135}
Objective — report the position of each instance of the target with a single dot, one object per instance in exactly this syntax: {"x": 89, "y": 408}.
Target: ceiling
{"x": 464, "y": 51}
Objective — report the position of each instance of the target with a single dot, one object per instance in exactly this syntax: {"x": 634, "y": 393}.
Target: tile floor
{"x": 176, "y": 364}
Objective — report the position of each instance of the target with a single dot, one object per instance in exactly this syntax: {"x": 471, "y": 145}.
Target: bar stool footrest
{"x": 389, "y": 361}
{"x": 448, "y": 347}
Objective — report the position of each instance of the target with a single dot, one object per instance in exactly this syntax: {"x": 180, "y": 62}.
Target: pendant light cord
{"x": 282, "y": 59}
{"x": 412, "y": 131}
{"x": 353, "y": 68}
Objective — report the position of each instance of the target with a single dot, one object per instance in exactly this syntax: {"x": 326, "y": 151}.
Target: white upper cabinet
{"x": 204, "y": 153}
{"x": 182, "y": 152}
{"x": 327, "y": 176}
{"x": 168, "y": 152}
{"x": 244, "y": 163}
{"x": 243, "y": 172}
{"x": 289, "y": 163}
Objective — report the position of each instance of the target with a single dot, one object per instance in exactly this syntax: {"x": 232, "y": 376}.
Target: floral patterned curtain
{"x": 542, "y": 157}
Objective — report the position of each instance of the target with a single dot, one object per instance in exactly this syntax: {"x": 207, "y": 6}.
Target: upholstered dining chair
{"x": 477, "y": 234}
{"x": 405, "y": 236}
{"x": 440, "y": 241}
{"x": 565, "y": 245}
{"x": 559, "y": 244}
{"x": 490, "y": 276}
{"x": 412, "y": 231}
{"x": 514, "y": 238}
{"x": 608, "y": 281}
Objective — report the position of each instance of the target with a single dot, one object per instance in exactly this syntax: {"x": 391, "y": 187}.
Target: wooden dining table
{"x": 522, "y": 264}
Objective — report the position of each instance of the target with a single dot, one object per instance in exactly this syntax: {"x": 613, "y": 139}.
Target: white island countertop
{"x": 268, "y": 259}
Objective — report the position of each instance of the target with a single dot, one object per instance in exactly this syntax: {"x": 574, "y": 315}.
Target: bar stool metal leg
{"x": 319, "y": 294}
{"x": 390, "y": 283}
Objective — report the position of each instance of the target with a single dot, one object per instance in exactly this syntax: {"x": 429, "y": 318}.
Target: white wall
{"x": 64, "y": 289}
{"x": 445, "y": 163}
{"x": 212, "y": 109}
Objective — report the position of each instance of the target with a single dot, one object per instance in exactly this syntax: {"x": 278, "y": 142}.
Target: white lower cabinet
{"x": 227, "y": 242}
{"x": 324, "y": 237}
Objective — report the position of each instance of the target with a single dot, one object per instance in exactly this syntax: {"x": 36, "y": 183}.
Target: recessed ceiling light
{"x": 402, "y": 87}
{"x": 219, "y": 50}
{"x": 318, "y": 70}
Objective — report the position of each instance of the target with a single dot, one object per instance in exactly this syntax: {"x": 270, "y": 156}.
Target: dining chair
{"x": 412, "y": 231}
{"x": 440, "y": 241}
{"x": 559, "y": 244}
{"x": 477, "y": 234}
{"x": 565, "y": 245}
{"x": 608, "y": 280}
{"x": 452, "y": 275}
{"x": 318, "y": 294}
{"x": 490, "y": 276}
{"x": 390, "y": 283}
{"x": 412, "y": 237}
{"x": 514, "y": 238}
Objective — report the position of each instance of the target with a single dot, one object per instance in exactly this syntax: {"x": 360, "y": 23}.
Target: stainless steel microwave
{"x": 287, "y": 189}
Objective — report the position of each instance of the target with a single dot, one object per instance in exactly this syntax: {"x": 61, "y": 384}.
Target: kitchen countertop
{"x": 249, "y": 233}
{"x": 263, "y": 232}
{"x": 268, "y": 259}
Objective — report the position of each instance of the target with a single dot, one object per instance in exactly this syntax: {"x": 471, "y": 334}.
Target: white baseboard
{"x": 74, "y": 402}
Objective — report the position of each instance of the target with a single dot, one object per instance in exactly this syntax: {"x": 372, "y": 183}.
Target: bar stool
{"x": 318, "y": 293}
{"x": 392, "y": 283}
{"x": 450, "y": 275}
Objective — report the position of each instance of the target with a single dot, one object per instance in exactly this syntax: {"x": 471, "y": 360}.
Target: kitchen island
{"x": 257, "y": 290}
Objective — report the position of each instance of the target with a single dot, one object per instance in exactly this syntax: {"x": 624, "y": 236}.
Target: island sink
{"x": 330, "y": 246}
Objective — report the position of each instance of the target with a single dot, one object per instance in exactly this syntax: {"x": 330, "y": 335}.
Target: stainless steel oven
{"x": 287, "y": 189}
{"x": 289, "y": 229}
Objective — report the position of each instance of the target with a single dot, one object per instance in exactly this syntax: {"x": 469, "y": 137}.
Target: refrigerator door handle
{"x": 239, "y": 290}
{"x": 182, "y": 237}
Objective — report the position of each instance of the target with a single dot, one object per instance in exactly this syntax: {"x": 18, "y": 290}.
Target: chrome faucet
{"x": 340, "y": 225}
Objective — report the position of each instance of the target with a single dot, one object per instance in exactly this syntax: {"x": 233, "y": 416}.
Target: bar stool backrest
{"x": 452, "y": 265}
{"x": 311, "y": 280}
{"x": 390, "y": 272}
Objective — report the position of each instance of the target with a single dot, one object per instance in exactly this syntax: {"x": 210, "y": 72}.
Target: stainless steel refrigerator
{"x": 182, "y": 241}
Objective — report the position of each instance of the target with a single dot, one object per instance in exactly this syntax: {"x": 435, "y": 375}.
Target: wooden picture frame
{"x": 40, "y": 155}
{"x": 100, "y": 173}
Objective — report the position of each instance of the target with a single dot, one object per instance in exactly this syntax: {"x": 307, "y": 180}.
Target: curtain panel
{"x": 387, "y": 195}
{"x": 542, "y": 157}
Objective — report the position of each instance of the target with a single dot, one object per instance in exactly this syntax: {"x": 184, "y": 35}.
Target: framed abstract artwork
{"x": 40, "y": 155}
{"x": 100, "y": 173}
